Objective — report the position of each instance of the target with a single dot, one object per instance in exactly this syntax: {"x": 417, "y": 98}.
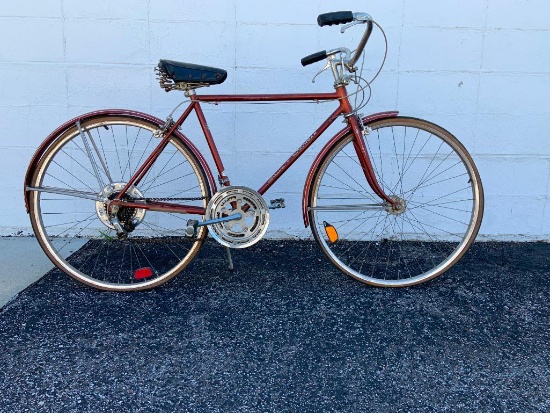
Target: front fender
{"x": 330, "y": 144}
{"x": 102, "y": 113}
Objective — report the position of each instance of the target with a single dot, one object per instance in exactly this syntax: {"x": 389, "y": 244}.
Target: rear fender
{"x": 102, "y": 113}
{"x": 326, "y": 149}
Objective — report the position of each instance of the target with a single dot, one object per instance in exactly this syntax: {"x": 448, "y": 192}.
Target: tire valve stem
{"x": 331, "y": 232}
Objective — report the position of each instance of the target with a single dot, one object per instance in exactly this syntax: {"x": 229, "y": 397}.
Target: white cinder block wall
{"x": 480, "y": 68}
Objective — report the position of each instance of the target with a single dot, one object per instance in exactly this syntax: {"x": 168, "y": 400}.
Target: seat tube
{"x": 224, "y": 180}
{"x": 360, "y": 146}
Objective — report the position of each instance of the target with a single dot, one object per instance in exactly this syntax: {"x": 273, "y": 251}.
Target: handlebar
{"x": 336, "y": 17}
{"x": 361, "y": 45}
{"x": 342, "y": 17}
{"x": 314, "y": 57}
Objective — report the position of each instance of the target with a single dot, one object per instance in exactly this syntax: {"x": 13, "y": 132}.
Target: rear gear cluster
{"x": 128, "y": 218}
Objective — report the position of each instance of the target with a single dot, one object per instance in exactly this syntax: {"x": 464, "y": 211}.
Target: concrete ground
{"x": 286, "y": 332}
{"x": 22, "y": 262}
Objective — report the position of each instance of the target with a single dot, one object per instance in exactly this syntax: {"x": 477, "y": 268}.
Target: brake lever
{"x": 327, "y": 66}
{"x": 347, "y": 26}
{"x": 358, "y": 18}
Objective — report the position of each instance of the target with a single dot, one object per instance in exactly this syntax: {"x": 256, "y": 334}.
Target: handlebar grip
{"x": 315, "y": 57}
{"x": 337, "y": 17}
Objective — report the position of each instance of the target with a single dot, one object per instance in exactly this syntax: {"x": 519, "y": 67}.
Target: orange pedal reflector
{"x": 143, "y": 273}
{"x": 332, "y": 234}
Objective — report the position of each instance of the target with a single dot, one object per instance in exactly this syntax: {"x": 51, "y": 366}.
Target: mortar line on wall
{"x": 84, "y": 64}
{"x": 480, "y": 72}
{"x": 234, "y": 126}
{"x": 150, "y": 54}
{"x": 547, "y": 185}
{"x": 399, "y": 53}
{"x": 65, "y": 66}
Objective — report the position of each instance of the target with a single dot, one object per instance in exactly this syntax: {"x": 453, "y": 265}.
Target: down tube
{"x": 290, "y": 161}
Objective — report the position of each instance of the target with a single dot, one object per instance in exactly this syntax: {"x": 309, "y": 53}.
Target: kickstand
{"x": 229, "y": 259}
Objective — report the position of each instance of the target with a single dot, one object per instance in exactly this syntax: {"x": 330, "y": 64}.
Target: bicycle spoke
{"x": 420, "y": 167}
{"x": 72, "y": 176}
{"x": 147, "y": 184}
{"x": 148, "y": 247}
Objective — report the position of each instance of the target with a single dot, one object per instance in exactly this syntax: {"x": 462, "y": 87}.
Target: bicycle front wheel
{"x": 437, "y": 189}
{"x": 91, "y": 163}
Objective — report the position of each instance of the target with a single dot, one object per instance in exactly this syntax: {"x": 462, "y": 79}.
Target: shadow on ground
{"x": 286, "y": 331}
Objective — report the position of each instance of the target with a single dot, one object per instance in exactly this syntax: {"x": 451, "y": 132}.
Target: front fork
{"x": 356, "y": 125}
{"x": 364, "y": 159}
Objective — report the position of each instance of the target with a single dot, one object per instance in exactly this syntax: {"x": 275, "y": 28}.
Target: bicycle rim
{"x": 433, "y": 180}
{"x": 68, "y": 211}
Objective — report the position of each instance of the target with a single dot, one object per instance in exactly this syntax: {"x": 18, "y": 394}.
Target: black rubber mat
{"x": 286, "y": 331}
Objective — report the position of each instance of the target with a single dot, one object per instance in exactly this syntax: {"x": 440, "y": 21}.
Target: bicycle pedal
{"x": 191, "y": 229}
{"x": 277, "y": 203}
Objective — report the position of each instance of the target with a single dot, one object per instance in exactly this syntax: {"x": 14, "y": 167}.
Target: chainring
{"x": 242, "y": 232}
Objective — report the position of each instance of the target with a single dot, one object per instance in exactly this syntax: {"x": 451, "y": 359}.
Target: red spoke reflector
{"x": 143, "y": 273}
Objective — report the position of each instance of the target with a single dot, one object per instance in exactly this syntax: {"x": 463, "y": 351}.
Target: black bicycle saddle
{"x": 191, "y": 73}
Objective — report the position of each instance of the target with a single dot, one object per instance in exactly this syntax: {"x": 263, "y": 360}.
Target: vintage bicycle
{"x": 392, "y": 201}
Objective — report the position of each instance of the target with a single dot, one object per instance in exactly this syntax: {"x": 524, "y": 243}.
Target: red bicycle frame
{"x": 344, "y": 108}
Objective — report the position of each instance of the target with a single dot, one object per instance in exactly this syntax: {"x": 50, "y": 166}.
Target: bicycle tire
{"x": 67, "y": 217}
{"x": 433, "y": 178}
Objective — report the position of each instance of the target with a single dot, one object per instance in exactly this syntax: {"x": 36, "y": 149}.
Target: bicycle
{"x": 392, "y": 201}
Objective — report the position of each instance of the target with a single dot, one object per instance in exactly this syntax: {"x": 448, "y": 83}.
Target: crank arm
{"x": 193, "y": 224}
{"x": 218, "y": 220}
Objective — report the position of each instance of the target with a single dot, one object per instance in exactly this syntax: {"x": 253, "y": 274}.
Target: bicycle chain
{"x": 198, "y": 198}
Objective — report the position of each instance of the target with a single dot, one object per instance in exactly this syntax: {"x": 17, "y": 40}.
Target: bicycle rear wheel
{"x": 436, "y": 184}
{"x": 84, "y": 167}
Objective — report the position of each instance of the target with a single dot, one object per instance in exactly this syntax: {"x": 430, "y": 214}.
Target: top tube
{"x": 266, "y": 97}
